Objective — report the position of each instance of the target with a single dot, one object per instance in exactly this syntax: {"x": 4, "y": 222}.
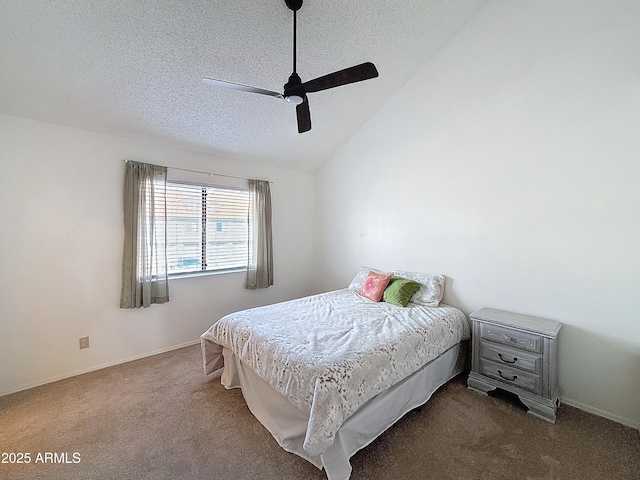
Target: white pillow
{"x": 358, "y": 281}
{"x": 431, "y": 287}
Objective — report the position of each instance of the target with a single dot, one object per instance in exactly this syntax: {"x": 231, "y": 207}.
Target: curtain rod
{"x": 198, "y": 171}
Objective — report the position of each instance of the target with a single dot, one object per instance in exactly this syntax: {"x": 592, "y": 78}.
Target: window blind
{"x": 207, "y": 228}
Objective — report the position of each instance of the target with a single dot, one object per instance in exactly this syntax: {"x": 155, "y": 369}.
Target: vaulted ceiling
{"x": 133, "y": 68}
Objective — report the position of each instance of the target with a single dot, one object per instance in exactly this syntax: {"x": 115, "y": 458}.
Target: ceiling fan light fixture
{"x": 295, "y": 99}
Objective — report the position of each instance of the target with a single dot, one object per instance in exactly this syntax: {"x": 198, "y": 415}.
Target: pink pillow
{"x": 374, "y": 286}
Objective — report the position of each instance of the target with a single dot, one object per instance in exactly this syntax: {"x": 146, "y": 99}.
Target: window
{"x": 207, "y": 228}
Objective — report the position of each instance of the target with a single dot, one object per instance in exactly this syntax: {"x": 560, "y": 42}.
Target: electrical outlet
{"x": 84, "y": 342}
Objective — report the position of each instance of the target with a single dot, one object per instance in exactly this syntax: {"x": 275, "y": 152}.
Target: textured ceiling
{"x": 133, "y": 68}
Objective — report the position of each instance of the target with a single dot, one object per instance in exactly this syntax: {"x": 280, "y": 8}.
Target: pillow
{"x": 358, "y": 281}
{"x": 374, "y": 286}
{"x": 400, "y": 290}
{"x": 431, "y": 287}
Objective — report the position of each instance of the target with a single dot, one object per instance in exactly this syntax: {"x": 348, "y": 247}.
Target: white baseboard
{"x": 601, "y": 413}
{"x": 100, "y": 367}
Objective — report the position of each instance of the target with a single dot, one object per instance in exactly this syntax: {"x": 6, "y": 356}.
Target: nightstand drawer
{"x": 514, "y": 338}
{"x": 530, "y": 362}
{"x": 511, "y": 376}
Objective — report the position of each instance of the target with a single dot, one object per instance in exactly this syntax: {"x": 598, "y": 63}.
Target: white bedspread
{"x": 328, "y": 354}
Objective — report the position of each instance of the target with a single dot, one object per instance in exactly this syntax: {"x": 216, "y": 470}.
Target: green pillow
{"x": 399, "y": 291}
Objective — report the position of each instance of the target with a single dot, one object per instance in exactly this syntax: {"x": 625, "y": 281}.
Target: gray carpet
{"x": 162, "y": 418}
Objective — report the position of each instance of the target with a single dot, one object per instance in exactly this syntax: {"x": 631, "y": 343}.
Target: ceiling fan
{"x": 295, "y": 91}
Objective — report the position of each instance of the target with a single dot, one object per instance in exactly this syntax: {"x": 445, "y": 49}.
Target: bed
{"x": 328, "y": 373}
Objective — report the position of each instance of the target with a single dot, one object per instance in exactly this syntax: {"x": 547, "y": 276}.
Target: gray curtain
{"x": 144, "y": 259}
{"x": 260, "y": 268}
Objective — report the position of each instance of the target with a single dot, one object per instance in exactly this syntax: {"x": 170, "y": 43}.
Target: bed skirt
{"x": 288, "y": 424}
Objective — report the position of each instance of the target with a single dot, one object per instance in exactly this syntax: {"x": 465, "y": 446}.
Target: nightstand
{"x": 519, "y": 354}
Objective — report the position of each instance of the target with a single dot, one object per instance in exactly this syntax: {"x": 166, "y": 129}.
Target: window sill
{"x": 176, "y": 276}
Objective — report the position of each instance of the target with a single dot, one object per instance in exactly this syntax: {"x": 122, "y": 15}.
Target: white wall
{"x": 511, "y": 164}
{"x": 61, "y": 252}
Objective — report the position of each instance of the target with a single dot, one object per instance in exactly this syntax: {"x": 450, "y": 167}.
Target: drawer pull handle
{"x": 508, "y": 379}
{"x": 515, "y": 359}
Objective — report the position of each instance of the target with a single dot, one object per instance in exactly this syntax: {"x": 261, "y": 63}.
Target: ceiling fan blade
{"x": 304, "y": 116}
{"x": 357, "y": 73}
{"x": 238, "y": 86}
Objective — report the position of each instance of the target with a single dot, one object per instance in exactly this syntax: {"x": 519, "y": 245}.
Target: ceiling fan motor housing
{"x": 293, "y": 90}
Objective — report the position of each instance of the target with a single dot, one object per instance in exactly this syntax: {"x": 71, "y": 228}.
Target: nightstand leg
{"x": 539, "y": 410}
{"x": 478, "y": 385}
